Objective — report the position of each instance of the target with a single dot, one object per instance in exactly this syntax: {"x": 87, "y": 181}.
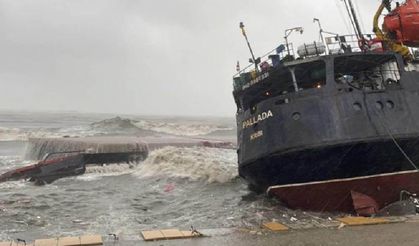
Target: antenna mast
{"x": 248, "y": 44}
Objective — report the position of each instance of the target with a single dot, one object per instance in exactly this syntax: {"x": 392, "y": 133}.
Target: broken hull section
{"x": 49, "y": 170}
{"x": 337, "y": 195}
{"x": 63, "y": 157}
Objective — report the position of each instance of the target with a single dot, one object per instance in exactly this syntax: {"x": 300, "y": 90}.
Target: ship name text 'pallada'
{"x": 256, "y": 119}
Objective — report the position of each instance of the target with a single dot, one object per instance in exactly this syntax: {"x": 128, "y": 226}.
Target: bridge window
{"x": 283, "y": 80}
{"x": 310, "y": 75}
{"x": 279, "y": 82}
{"x": 367, "y": 72}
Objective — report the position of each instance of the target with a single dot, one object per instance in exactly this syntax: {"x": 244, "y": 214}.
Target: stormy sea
{"x": 175, "y": 187}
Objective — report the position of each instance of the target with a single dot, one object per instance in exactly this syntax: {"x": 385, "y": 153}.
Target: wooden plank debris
{"x": 353, "y": 221}
{"x": 10, "y": 243}
{"x": 91, "y": 240}
{"x": 152, "y": 235}
{"x": 168, "y": 234}
{"x": 46, "y": 242}
{"x": 69, "y": 241}
{"x": 274, "y": 226}
{"x": 172, "y": 233}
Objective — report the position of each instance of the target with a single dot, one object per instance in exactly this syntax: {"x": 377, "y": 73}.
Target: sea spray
{"x": 110, "y": 168}
{"x": 118, "y": 126}
{"x": 18, "y": 134}
{"x": 12, "y": 134}
{"x": 181, "y": 129}
{"x": 197, "y": 163}
{"x": 97, "y": 172}
{"x": 147, "y": 127}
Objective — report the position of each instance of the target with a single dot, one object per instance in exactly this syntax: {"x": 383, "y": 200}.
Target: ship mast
{"x": 248, "y": 45}
{"x": 357, "y": 26}
{"x": 355, "y": 23}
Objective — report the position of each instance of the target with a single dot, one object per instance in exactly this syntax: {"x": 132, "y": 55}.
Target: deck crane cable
{"x": 401, "y": 150}
{"x": 350, "y": 18}
{"x": 384, "y": 125}
{"x": 395, "y": 141}
{"x": 360, "y": 16}
{"x": 345, "y": 21}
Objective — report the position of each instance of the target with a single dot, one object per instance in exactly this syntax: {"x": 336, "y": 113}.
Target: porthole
{"x": 389, "y": 104}
{"x": 253, "y": 109}
{"x": 296, "y": 116}
{"x": 357, "y": 106}
{"x": 379, "y": 105}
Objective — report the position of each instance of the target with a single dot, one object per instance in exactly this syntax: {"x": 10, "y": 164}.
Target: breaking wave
{"x": 16, "y": 134}
{"x": 110, "y": 169}
{"x": 195, "y": 164}
{"x": 98, "y": 172}
{"x": 198, "y": 163}
{"x": 184, "y": 129}
{"x": 115, "y": 125}
{"x": 118, "y": 125}
{"x": 11, "y": 162}
{"x": 12, "y": 134}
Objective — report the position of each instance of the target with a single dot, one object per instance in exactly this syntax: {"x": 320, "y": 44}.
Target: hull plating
{"x": 335, "y": 195}
{"x": 332, "y": 162}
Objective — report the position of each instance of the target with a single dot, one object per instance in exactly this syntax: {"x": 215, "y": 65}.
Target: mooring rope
{"x": 397, "y": 144}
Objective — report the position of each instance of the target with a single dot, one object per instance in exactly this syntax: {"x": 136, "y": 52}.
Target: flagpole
{"x": 248, "y": 44}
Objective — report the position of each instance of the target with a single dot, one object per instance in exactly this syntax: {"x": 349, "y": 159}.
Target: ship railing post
{"x": 294, "y": 80}
{"x": 286, "y": 44}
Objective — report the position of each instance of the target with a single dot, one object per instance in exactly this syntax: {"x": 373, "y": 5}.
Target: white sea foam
{"x": 110, "y": 169}
{"x": 10, "y": 185}
{"x": 11, "y": 162}
{"x": 184, "y": 128}
{"x": 16, "y": 134}
{"x": 198, "y": 163}
{"x": 173, "y": 127}
{"x": 11, "y": 134}
{"x": 115, "y": 125}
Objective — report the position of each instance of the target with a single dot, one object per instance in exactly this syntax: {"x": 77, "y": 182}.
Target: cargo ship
{"x": 338, "y": 118}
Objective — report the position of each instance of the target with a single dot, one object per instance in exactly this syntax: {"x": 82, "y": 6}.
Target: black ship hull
{"x": 337, "y": 161}
{"x": 328, "y": 127}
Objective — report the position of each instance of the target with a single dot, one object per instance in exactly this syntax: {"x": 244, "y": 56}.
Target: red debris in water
{"x": 169, "y": 187}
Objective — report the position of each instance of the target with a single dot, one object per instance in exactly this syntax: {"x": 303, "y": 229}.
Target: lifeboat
{"x": 402, "y": 23}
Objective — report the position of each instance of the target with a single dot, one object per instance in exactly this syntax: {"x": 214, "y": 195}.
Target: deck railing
{"x": 281, "y": 51}
{"x": 337, "y": 44}
{"x": 266, "y": 61}
{"x": 340, "y": 44}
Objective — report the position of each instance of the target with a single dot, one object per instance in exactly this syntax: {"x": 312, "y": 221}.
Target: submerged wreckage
{"x": 63, "y": 157}
{"x": 335, "y": 129}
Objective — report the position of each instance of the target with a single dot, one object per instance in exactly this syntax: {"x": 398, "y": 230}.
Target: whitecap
{"x": 197, "y": 163}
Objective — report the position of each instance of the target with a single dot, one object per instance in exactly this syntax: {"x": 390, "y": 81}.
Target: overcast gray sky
{"x": 172, "y": 57}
